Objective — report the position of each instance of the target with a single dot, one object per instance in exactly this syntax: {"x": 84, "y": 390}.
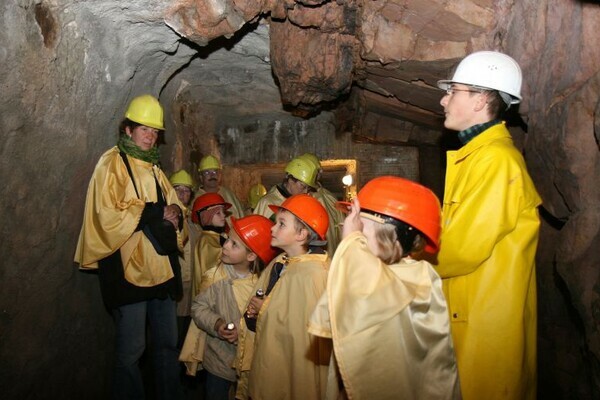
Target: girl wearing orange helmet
{"x": 383, "y": 307}
{"x": 216, "y": 311}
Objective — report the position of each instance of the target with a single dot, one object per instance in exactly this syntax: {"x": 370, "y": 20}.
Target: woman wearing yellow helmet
{"x": 129, "y": 202}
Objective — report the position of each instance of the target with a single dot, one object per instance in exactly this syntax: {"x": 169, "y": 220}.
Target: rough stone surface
{"x": 68, "y": 70}
{"x": 312, "y": 66}
{"x": 562, "y": 69}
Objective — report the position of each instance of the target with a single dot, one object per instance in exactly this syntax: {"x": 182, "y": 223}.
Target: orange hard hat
{"x": 404, "y": 200}
{"x": 207, "y": 200}
{"x": 255, "y": 232}
{"x": 308, "y": 210}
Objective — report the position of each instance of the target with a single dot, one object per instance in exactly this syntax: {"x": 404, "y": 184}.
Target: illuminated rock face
{"x": 343, "y": 79}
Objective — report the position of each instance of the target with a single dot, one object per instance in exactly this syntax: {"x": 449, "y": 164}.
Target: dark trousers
{"x": 217, "y": 388}
{"x": 130, "y": 323}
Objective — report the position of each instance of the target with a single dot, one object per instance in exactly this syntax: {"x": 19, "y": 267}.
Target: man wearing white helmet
{"x": 490, "y": 227}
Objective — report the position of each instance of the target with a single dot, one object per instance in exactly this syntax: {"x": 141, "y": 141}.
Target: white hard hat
{"x": 489, "y": 70}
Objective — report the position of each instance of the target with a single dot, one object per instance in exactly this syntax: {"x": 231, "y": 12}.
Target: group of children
{"x": 274, "y": 316}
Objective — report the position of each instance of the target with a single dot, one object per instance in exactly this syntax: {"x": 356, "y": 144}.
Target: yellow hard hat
{"x": 182, "y": 178}
{"x": 303, "y": 170}
{"x": 256, "y": 192}
{"x": 146, "y": 110}
{"x": 209, "y": 162}
{"x": 310, "y": 157}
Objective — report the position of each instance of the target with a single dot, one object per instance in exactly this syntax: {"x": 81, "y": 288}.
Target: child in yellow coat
{"x": 210, "y": 211}
{"x": 384, "y": 309}
{"x": 288, "y": 362}
{"x": 218, "y": 309}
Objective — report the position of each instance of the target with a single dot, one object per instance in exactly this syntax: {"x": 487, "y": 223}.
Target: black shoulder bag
{"x": 161, "y": 233}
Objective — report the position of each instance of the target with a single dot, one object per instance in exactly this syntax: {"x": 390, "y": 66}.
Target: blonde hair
{"x": 256, "y": 266}
{"x": 391, "y": 250}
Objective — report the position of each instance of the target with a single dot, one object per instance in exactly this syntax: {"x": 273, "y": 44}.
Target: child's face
{"x": 235, "y": 251}
{"x": 219, "y": 218}
{"x": 370, "y": 231}
{"x": 284, "y": 232}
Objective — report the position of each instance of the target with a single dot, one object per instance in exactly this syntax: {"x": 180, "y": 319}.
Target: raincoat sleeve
{"x": 112, "y": 211}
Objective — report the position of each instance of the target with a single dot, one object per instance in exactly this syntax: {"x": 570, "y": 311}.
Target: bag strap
{"x": 126, "y": 161}
{"x": 162, "y": 201}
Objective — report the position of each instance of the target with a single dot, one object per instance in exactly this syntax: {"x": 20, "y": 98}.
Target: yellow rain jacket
{"x": 112, "y": 212}
{"x": 288, "y": 362}
{"x": 489, "y": 237}
{"x": 273, "y": 197}
{"x": 207, "y": 255}
{"x": 390, "y": 328}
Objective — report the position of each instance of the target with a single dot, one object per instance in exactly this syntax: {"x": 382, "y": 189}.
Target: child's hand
{"x": 230, "y": 335}
{"x": 254, "y": 306}
{"x": 352, "y": 223}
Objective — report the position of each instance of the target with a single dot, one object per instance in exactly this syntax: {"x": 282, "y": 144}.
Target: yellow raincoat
{"x": 487, "y": 261}
{"x": 207, "y": 255}
{"x": 273, "y": 197}
{"x": 186, "y": 261}
{"x": 389, "y": 325}
{"x": 288, "y": 362}
{"x": 112, "y": 212}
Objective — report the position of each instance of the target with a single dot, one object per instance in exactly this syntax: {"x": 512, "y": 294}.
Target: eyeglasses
{"x": 210, "y": 172}
{"x": 451, "y": 90}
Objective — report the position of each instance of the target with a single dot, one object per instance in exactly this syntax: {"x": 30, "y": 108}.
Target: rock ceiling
{"x": 391, "y": 52}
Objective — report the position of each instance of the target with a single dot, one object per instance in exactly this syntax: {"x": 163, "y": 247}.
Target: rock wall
{"x": 554, "y": 41}
{"x": 68, "y": 71}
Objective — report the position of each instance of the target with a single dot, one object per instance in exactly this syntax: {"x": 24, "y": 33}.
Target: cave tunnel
{"x": 255, "y": 84}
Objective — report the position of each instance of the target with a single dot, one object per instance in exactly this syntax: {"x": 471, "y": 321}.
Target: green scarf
{"x": 128, "y": 146}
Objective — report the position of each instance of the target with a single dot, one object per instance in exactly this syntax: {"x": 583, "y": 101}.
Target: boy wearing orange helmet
{"x": 288, "y": 362}
{"x": 382, "y": 307}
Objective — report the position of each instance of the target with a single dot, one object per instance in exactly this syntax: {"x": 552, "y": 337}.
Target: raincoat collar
{"x": 495, "y": 132}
